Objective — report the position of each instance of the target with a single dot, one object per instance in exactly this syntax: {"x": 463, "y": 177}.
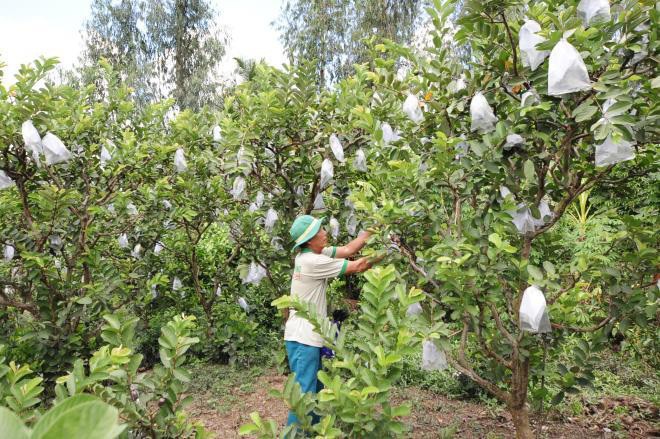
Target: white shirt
{"x": 309, "y": 282}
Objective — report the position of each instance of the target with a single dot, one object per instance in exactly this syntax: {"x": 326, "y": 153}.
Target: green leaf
{"x": 529, "y": 171}
{"x": 535, "y": 272}
{"x": 79, "y": 416}
{"x": 84, "y": 301}
{"x": 11, "y": 425}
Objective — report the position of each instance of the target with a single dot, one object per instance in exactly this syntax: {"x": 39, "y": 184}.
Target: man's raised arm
{"x": 353, "y": 247}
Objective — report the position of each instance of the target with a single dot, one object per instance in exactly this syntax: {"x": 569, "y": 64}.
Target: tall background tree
{"x": 332, "y": 32}
{"x": 161, "y": 48}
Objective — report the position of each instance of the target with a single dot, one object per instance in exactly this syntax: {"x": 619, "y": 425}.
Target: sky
{"x": 31, "y": 28}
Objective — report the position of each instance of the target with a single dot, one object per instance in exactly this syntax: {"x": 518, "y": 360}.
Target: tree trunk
{"x": 517, "y": 403}
{"x": 520, "y": 417}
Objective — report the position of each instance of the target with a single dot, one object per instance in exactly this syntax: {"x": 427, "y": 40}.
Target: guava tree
{"x": 472, "y": 193}
{"x": 76, "y": 209}
{"x": 278, "y": 132}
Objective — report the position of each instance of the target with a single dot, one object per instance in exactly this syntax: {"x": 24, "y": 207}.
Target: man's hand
{"x": 359, "y": 266}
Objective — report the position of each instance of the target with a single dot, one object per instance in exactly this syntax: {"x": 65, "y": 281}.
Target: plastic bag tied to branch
{"x": 180, "y": 161}
{"x": 105, "y": 156}
{"x": 610, "y": 152}
{"x": 238, "y": 188}
{"x": 334, "y": 227}
{"x": 593, "y": 11}
{"x": 414, "y": 310}
{"x": 389, "y": 135}
{"x": 360, "y": 161}
{"x": 217, "y": 134}
{"x": 533, "y": 313}
{"x": 54, "y": 149}
{"x": 319, "y": 204}
{"x": 243, "y": 304}
{"x": 432, "y": 357}
{"x": 337, "y": 148}
{"x": 9, "y": 252}
{"x": 255, "y": 274}
{"x": 412, "y": 110}
{"x": 123, "y": 240}
{"x": 528, "y": 39}
{"x": 327, "y": 172}
{"x": 137, "y": 251}
{"x": 483, "y": 118}
{"x": 32, "y": 140}
{"x": 269, "y": 220}
{"x": 567, "y": 72}
{"x": 5, "y": 181}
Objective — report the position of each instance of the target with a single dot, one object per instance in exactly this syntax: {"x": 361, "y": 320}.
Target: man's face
{"x": 320, "y": 239}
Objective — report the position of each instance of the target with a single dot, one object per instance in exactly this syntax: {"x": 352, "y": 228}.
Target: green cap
{"x": 303, "y": 229}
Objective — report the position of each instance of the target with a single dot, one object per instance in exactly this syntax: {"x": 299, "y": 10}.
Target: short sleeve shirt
{"x": 309, "y": 282}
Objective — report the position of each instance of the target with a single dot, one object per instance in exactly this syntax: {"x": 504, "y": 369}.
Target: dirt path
{"x": 224, "y": 409}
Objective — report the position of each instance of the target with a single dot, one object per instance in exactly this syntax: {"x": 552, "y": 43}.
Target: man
{"x": 314, "y": 265}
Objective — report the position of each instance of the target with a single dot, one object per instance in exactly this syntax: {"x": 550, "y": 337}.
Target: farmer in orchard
{"x": 314, "y": 265}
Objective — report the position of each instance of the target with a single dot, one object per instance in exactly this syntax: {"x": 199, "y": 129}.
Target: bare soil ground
{"x": 223, "y": 409}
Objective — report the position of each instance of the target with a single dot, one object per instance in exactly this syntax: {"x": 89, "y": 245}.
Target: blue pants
{"x": 305, "y": 362}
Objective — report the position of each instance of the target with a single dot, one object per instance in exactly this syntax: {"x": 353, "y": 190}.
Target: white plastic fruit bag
{"x": 610, "y": 153}
{"x": 180, "y": 161}
{"x": 529, "y": 98}
{"x": 523, "y": 219}
{"x": 218, "y": 291}
{"x": 243, "y": 304}
{"x": 9, "y": 252}
{"x": 54, "y": 149}
{"x": 176, "y": 284}
{"x": 5, "y": 181}
{"x": 327, "y": 172}
{"x": 255, "y": 273}
{"x": 412, "y": 110}
{"x": 32, "y": 140}
{"x": 238, "y": 188}
{"x": 514, "y": 140}
{"x": 532, "y": 311}
{"x": 567, "y": 72}
{"x": 123, "y": 240}
{"x": 276, "y": 243}
{"x": 154, "y": 291}
{"x": 483, "y": 119}
{"x": 252, "y": 208}
{"x": 334, "y": 227}
{"x": 167, "y": 205}
{"x": 336, "y": 147}
{"x": 259, "y": 199}
{"x": 217, "y": 134}
{"x": 360, "y": 161}
{"x": 432, "y": 357}
{"x": 505, "y": 192}
{"x": 131, "y": 209}
{"x": 269, "y": 220}
{"x": 318, "y": 202}
{"x": 456, "y": 85}
{"x": 351, "y": 224}
{"x": 593, "y": 11}
{"x": 389, "y": 135}
{"x": 528, "y": 39}
{"x": 158, "y": 248}
{"x": 545, "y": 212}
{"x": 414, "y": 310}
{"x": 137, "y": 251}
{"x": 105, "y": 156}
